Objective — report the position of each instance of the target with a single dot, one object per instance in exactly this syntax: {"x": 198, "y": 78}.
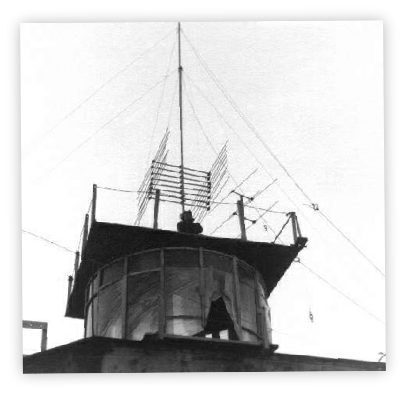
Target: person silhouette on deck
{"x": 187, "y": 225}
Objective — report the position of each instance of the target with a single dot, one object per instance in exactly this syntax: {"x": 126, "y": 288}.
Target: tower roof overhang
{"x": 109, "y": 241}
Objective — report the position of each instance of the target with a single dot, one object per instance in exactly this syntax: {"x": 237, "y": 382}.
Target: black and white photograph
{"x": 202, "y": 196}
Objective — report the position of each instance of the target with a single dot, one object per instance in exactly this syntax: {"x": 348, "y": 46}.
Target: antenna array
{"x": 181, "y": 185}
{"x": 146, "y": 190}
{"x": 217, "y": 173}
{"x": 167, "y": 178}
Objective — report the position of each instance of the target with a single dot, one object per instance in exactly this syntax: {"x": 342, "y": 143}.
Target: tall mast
{"x": 180, "y": 69}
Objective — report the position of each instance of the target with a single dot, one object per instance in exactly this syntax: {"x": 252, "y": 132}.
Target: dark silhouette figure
{"x": 187, "y": 225}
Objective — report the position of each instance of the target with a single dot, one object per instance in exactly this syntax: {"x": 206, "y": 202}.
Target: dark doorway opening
{"x": 219, "y": 324}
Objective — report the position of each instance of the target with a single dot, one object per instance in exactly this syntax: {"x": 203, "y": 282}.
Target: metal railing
{"x": 39, "y": 326}
{"x": 90, "y": 219}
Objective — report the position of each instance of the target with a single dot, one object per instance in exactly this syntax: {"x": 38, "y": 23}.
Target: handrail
{"x": 43, "y": 326}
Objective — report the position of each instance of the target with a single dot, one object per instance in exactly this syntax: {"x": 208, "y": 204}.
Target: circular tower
{"x": 181, "y": 291}
{"x": 134, "y": 282}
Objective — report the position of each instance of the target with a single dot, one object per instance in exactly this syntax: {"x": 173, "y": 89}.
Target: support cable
{"x": 257, "y": 194}
{"x": 160, "y": 104}
{"x": 342, "y": 293}
{"x": 217, "y": 203}
{"x": 122, "y": 190}
{"x": 242, "y": 141}
{"x": 211, "y": 75}
{"x": 264, "y": 213}
{"x": 264, "y": 210}
{"x": 172, "y": 103}
{"x": 103, "y": 126}
{"x": 200, "y": 124}
{"x": 247, "y": 147}
{"x": 225, "y": 197}
{"x": 194, "y": 112}
{"x": 223, "y": 223}
{"x": 269, "y": 210}
{"x": 244, "y": 118}
{"x": 85, "y": 100}
{"x": 198, "y": 121}
{"x": 48, "y": 241}
{"x": 145, "y": 192}
{"x": 352, "y": 243}
{"x": 281, "y": 230}
{"x": 228, "y": 124}
{"x": 253, "y": 129}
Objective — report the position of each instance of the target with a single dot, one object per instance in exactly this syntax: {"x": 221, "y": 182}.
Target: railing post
{"x": 70, "y": 280}
{"x": 76, "y": 267}
{"x": 156, "y": 207}
{"x": 41, "y": 326}
{"x": 240, "y": 210}
{"x": 44, "y": 337}
{"x": 85, "y": 234}
{"x": 94, "y": 202}
{"x": 299, "y": 233}
{"x": 294, "y": 226}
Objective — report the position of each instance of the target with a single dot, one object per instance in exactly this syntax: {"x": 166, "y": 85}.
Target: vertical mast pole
{"x": 180, "y": 69}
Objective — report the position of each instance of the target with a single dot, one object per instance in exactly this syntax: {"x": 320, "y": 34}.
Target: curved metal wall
{"x": 175, "y": 291}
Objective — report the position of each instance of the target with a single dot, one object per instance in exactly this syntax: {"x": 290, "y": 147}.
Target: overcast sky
{"x": 312, "y": 90}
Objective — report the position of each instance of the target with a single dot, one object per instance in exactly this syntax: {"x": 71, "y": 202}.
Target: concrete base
{"x": 106, "y": 355}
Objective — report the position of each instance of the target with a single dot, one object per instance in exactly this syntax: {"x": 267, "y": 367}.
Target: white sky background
{"x": 314, "y": 92}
